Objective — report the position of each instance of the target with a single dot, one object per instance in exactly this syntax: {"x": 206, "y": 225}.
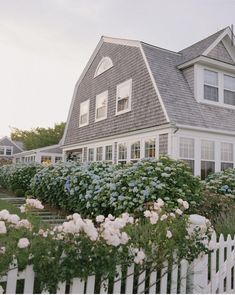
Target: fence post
{"x": 198, "y": 270}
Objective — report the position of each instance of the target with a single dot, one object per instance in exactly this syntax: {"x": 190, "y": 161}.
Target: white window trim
{"x": 189, "y": 158}
{"x": 199, "y": 86}
{"x": 85, "y": 124}
{"x": 102, "y": 60}
{"x": 222, "y": 161}
{"x": 106, "y": 113}
{"x": 133, "y": 142}
{"x": 5, "y": 148}
{"x": 130, "y": 97}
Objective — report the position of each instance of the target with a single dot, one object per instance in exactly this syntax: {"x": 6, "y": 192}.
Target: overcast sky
{"x": 45, "y": 44}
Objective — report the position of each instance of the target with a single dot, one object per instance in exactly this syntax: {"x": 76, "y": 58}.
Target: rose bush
{"x": 102, "y": 188}
{"x": 82, "y": 247}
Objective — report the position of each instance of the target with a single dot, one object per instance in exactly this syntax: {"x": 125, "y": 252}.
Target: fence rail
{"x": 213, "y": 273}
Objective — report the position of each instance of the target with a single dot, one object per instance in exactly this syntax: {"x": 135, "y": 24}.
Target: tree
{"x": 38, "y": 137}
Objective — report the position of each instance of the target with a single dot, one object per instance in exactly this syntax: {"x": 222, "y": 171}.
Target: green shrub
{"x": 17, "y": 177}
{"x": 225, "y": 223}
{"x": 101, "y": 188}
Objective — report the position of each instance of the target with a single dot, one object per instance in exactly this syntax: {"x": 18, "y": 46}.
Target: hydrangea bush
{"x": 18, "y": 176}
{"x": 82, "y": 247}
{"x": 101, "y": 188}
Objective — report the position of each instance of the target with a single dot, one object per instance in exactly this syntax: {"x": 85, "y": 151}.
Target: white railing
{"x": 213, "y": 273}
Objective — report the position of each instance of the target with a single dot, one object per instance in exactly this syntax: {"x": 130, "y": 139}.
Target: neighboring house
{"x": 136, "y": 100}
{"x": 8, "y": 148}
{"x": 49, "y": 154}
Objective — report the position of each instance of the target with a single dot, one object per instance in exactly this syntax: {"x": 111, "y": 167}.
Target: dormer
{"x": 209, "y": 68}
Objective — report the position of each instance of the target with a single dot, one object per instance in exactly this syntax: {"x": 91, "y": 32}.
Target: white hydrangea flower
{"x": 23, "y": 243}
{"x": 4, "y": 214}
{"x": 13, "y": 218}
{"x": 160, "y": 202}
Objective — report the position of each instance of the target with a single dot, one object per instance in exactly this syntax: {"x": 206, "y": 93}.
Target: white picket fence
{"x": 213, "y": 273}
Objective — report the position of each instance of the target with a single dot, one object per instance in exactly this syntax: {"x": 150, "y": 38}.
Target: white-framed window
{"x": 9, "y": 151}
{"x": 108, "y": 153}
{"x": 229, "y": 90}
{"x": 58, "y": 159}
{"x": 90, "y": 154}
{"x": 135, "y": 151}
{"x": 211, "y": 85}
{"x": 101, "y": 106}
{"x": 187, "y": 151}
{"x": 104, "y": 65}
{"x": 207, "y": 158}
{"x": 123, "y": 100}
{"x": 226, "y": 155}
{"x": 99, "y": 153}
{"x": 122, "y": 153}
{"x": 44, "y": 159}
{"x": 84, "y": 113}
{"x": 2, "y": 150}
{"x": 150, "y": 148}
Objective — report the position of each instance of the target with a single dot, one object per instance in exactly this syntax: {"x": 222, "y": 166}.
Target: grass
{"x": 225, "y": 224}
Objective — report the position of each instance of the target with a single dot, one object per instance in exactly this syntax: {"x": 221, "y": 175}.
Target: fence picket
{"x": 90, "y": 285}
{"x": 141, "y": 282}
{"x": 163, "y": 283}
{"x": 174, "y": 279}
{"x": 213, "y": 276}
{"x": 130, "y": 279}
{"x": 12, "y": 278}
{"x": 29, "y": 280}
{"x": 61, "y": 288}
{"x": 221, "y": 263}
{"x": 77, "y": 286}
{"x": 183, "y": 276}
{"x": 152, "y": 282}
{"x": 104, "y": 286}
{"x": 228, "y": 264}
{"x": 117, "y": 281}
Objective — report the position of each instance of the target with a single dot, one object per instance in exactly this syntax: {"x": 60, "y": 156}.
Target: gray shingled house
{"x": 8, "y": 148}
{"x": 136, "y": 100}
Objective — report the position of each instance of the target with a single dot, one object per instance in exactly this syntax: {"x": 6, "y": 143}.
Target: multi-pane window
{"x": 211, "y": 90}
{"x": 108, "y": 153}
{"x": 207, "y": 158}
{"x": 58, "y": 159}
{"x": 84, "y": 113}
{"x": 135, "y": 151}
{"x": 226, "y": 155}
{"x": 90, "y": 155}
{"x": 99, "y": 153}
{"x": 8, "y": 151}
{"x": 150, "y": 148}
{"x": 101, "y": 106}
{"x": 229, "y": 90}
{"x": 122, "y": 153}
{"x": 187, "y": 151}
{"x": 2, "y": 150}
{"x": 124, "y": 97}
{"x": 44, "y": 159}
{"x": 105, "y": 64}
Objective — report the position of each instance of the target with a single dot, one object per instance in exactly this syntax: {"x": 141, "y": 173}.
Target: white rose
{"x": 172, "y": 215}
{"x": 4, "y": 214}
{"x": 147, "y": 213}
{"x": 3, "y": 229}
{"x": 13, "y": 218}
{"x": 23, "y": 243}
{"x": 124, "y": 238}
{"x": 100, "y": 218}
{"x": 160, "y": 202}
{"x": 22, "y": 209}
{"x": 2, "y": 250}
{"x": 154, "y": 218}
{"x": 178, "y": 211}
{"x": 185, "y": 205}
{"x": 180, "y": 201}
{"x": 168, "y": 234}
{"x": 163, "y": 217}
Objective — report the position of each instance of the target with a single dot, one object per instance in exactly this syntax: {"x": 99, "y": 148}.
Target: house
{"x": 136, "y": 100}
{"x": 8, "y": 148}
{"x": 49, "y": 154}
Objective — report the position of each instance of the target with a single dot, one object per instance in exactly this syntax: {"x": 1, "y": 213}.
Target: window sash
{"x": 2, "y": 150}
{"x": 207, "y": 150}
{"x": 150, "y": 148}
{"x": 229, "y": 83}
{"x": 135, "y": 150}
{"x": 109, "y": 153}
{"x": 229, "y": 97}
{"x": 122, "y": 152}
{"x": 186, "y": 148}
{"x": 90, "y": 155}
{"x": 211, "y": 93}
{"x": 124, "y": 96}
{"x": 84, "y": 113}
{"x": 211, "y": 78}
{"x": 8, "y": 151}
{"x": 101, "y": 105}
{"x": 226, "y": 152}
{"x": 207, "y": 167}
{"x": 99, "y": 153}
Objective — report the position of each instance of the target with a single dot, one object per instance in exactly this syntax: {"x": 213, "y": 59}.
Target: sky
{"x": 45, "y": 45}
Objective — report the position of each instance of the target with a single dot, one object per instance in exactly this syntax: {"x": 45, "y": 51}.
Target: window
{"x": 45, "y": 159}
{"x": 90, "y": 155}
{"x": 211, "y": 91}
{"x": 150, "y": 148}
{"x": 84, "y": 113}
{"x": 123, "y": 103}
{"x": 229, "y": 90}
{"x": 101, "y": 106}
{"x": 122, "y": 153}
{"x": 8, "y": 151}
{"x": 226, "y": 155}
{"x": 108, "y": 153}
{"x": 105, "y": 64}
{"x": 99, "y": 153}
{"x": 207, "y": 157}
{"x": 58, "y": 159}
{"x": 2, "y": 151}
{"x": 187, "y": 151}
{"x": 135, "y": 151}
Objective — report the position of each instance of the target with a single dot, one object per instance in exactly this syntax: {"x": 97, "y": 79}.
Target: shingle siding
{"x": 219, "y": 52}
{"x": 146, "y": 109}
{"x": 189, "y": 76}
{"x": 6, "y": 142}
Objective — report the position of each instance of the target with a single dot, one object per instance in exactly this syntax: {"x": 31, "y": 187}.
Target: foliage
{"x": 222, "y": 182}
{"x": 4, "y": 161}
{"x": 225, "y": 223}
{"x": 39, "y": 137}
{"x": 17, "y": 177}
{"x": 102, "y": 188}
{"x": 81, "y": 247}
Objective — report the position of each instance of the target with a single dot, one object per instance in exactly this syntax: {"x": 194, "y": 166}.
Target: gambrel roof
{"x": 167, "y": 71}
